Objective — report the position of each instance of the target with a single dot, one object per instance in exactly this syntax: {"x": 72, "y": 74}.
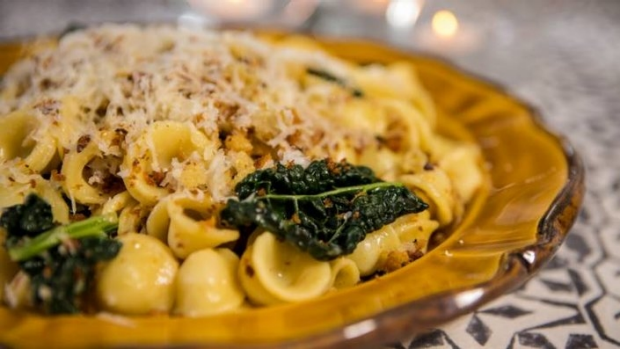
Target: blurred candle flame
{"x": 445, "y": 34}
{"x": 445, "y": 24}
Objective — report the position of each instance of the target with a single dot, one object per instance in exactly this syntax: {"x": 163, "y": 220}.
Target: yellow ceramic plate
{"x": 509, "y": 232}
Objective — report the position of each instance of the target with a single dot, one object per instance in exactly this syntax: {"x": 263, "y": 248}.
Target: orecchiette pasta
{"x": 462, "y": 166}
{"x": 345, "y": 273}
{"x": 274, "y": 272}
{"x": 397, "y": 81}
{"x": 131, "y": 219}
{"x": 188, "y": 225}
{"x": 69, "y": 127}
{"x": 119, "y": 202}
{"x": 157, "y": 150}
{"x": 193, "y": 227}
{"x": 17, "y": 192}
{"x": 407, "y": 120}
{"x": 415, "y": 228}
{"x": 20, "y": 138}
{"x": 140, "y": 280}
{"x": 367, "y": 256}
{"x": 156, "y": 126}
{"x": 207, "y": 283}
{"x": 158, "y": 222}
{"x": 437, "y": 188}
{"x": 73, "y": 166}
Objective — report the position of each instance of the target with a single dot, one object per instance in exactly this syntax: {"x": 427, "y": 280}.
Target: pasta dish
{"x": 157, "y": 169}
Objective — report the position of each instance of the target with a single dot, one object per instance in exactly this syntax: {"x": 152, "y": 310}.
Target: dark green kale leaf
{"x": 325, "y": 209}
{"x": 59, "y": 260}
{"x": 327, "y": 76}
{"x": 27, "y": 219}
{"x": 318, "y": 177}
{"x": 62, "y": 277}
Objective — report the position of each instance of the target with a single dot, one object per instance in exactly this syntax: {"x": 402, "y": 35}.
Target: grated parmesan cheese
{"x": 125, "y": 77}
{"x": 218, "y": 183}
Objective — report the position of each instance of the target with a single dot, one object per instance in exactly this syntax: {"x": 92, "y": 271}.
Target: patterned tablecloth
{"x": 564, "y": 58}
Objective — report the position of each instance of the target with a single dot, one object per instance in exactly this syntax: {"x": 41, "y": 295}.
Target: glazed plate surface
{"x": 510, "y": 230}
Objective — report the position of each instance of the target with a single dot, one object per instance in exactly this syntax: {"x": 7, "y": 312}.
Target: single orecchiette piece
{"x": 118, "y": 202}
{"x": 158, "y": 222}
{"x": 361, "y": 114}
{"x": 75, "y": 185}
{"x": 416, "y": 228}
{"x": 273, "y": 272}
{"x": 207, "y": 283}
{"x": 381, "y": 160}
{"x": 17, "y": 141}
{"x": 132, "y": 215}
{"x": 140, "y": 279}
{"x": 188, "y": 225}
{"x": 131, "y": 219}
{"x": 435, "y": 188}
{"x": 367, "y": 256}
{"x": 397, "y": 80}
{"x": 408, "y": 124}
{"x": 462, "y": 165}
{"x": 15, "y": 194}
{"x": 151, "y": 157}
{"x": 344, "y": 273}
{"x": 70, "y": 126}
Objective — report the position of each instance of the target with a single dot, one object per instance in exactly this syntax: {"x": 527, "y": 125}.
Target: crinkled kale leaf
{"x": 27, "y": 219}
{"x": 325, "y": 209}
{"x": 60, "y": 260}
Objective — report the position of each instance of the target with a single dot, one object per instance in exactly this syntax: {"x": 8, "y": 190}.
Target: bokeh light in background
{"x": 404, "y": 23}
{"x": 396, "y": 20}
{"x": 445, "y": 23}
{"x": 430, "y": 26}
{"x": 403, "y": 13}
